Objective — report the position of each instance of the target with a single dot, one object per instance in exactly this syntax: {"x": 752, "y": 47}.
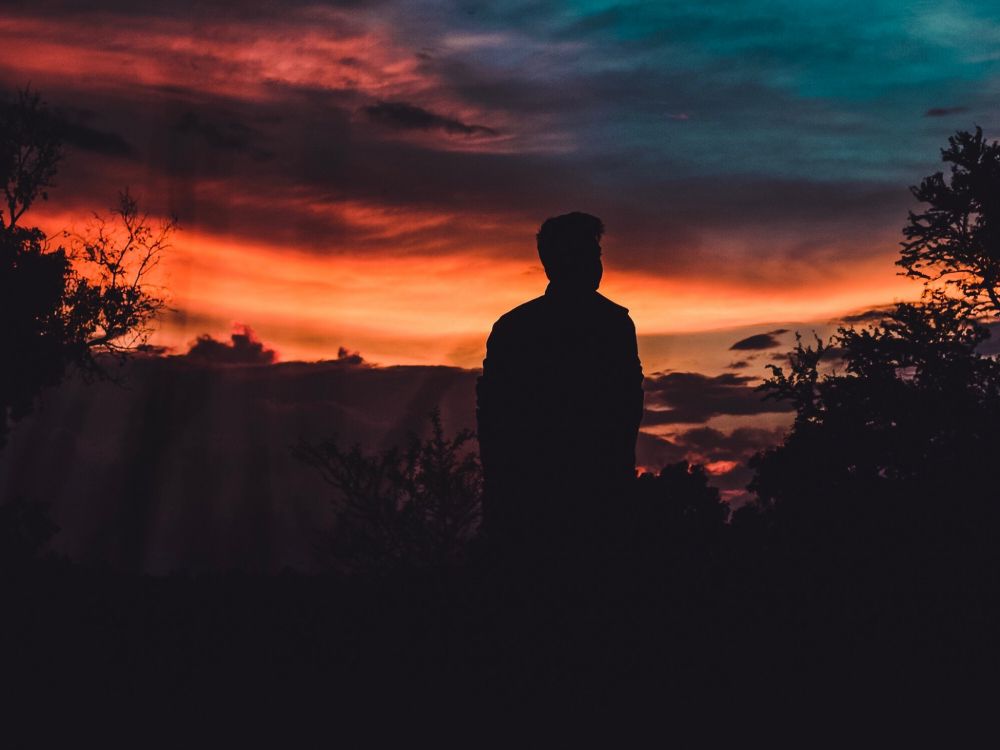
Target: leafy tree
{"x": 64, "y": 307}
{"x": 890, "y": 460}
{"x": 415, "y": 507}
{"x": 957, "y": 238}
{"x": 897, "y": 420}
{"x": 898, "y": 398}
{"x": 30, "y": 151}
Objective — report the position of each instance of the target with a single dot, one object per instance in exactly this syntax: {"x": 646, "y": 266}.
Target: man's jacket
{"x": 558, "y": 407}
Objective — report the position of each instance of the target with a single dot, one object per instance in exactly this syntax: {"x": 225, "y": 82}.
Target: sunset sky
{"x": 368, "y": 178}
{"x": 371, "y": 175}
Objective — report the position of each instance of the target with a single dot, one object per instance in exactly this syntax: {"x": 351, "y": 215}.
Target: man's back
{"x": 559, "y": 406}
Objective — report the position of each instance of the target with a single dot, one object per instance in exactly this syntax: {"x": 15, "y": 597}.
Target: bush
{"x": 415, "y": 507}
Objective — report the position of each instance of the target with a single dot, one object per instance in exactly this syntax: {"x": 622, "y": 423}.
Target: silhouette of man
{"x": 560, "y": 398}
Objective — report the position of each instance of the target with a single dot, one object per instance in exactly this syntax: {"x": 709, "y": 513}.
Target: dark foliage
{"x": 30, "y": 151}
{"x": 676, "y": 510}
{"x": 415, "y": 507}
{"x": 60, "y": 306}
{"x": 40, "y": 342}
{"x": 25, "y": 528}
{"x": 957, "y": 238}
{"x": 901, "y": 433}
{"x": 887, "y": 475}
{"x": 420, "y": 507}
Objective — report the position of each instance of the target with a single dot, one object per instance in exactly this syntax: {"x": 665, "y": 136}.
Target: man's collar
{"x": 568, "y": 290}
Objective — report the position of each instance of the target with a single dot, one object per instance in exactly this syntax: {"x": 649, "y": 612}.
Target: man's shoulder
{"x": 612, "y": 307}
{"x": 541, "y": 308}
{"x": 522, "y": 314}
{"x": 613, "y": 315}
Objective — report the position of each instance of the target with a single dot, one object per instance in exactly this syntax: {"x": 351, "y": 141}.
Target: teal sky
{"x": 815, "y": 90}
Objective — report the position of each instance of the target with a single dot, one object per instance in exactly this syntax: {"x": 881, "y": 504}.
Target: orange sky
{"x": 308, "y": 215}
{"x": 424, "y": 308}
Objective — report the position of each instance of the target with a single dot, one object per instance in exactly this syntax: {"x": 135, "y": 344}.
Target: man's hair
{"x": 562, "y": 239}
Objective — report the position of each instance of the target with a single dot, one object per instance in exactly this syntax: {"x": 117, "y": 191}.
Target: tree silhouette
{"x": 898, "y": 399}
{"x": 888, "y": 466}
{"x": 672, "y": 515}
{"x": 957, "y": 238}
{"x": 63, "y": 307}
{"x": 414, "y": 507}
{"x": 679, "y": 502}
{"x": 30, "y": 151}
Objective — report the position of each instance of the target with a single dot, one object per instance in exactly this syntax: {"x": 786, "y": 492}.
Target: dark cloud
{"x": 231, "y": 135}
{"x": 101, "y": 142}
{"x": 737, "y": 445}
{"x": 203, "y": 10}
{"x": 741, "y": 364}
{"x": 244, "y": 349}
{"x": 759, "y": 341}
{"x": 660, "y": 206}
{"x": 499, "y": 89}
{"x": 991, "y": 345}
{"x": 404, "y": 116}
{"x": 756, "y": 342}
{"x": 874, "y": 315}
{"x": 944, "y": 111}
{"x": 654, "y": 451}
{"x": 70, "y": 126}
{"x": 692, "y": 398}
{"x": 328, "y": 155}
{"x": 714, "y": 448}
{"x": 832, "y": 356}
{"x": 710, "y": 446}
{"x": 347, "y": 357}
{"x": 821, "y": 215}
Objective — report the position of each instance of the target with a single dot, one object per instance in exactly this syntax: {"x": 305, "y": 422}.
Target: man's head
{"x": 570, "y": 249}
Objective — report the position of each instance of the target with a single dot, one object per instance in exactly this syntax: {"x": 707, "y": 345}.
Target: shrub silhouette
{"x": 414, "y": 507}
{"x": 420, "y": 506}
{"x": 677, "y": 507}
{"x": 25, "y": 529}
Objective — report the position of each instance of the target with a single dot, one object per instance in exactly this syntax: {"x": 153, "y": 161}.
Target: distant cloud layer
{"x": 759, "y": 341}
{"x": 692, "y": 398}
{"x": 944, "y": 111}
{"x": 72, "y": 128}
{"x": 409, "y": 117}
{"x": 242, "y": 349}
{"x": 875, "y": 315}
